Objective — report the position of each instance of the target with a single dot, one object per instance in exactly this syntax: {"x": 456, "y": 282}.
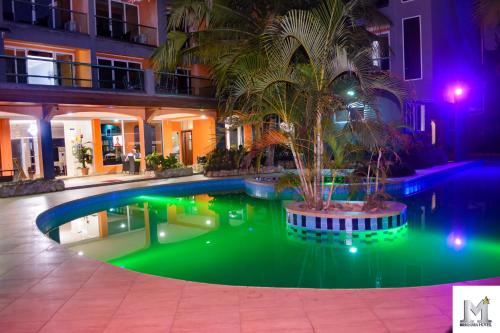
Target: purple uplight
{"x": 459, "y": 91}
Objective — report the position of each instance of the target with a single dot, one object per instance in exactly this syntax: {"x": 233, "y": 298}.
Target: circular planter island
{"x": 346, "y": 216}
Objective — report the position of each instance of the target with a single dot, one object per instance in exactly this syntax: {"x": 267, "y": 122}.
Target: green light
{"x": 351, "y": 93}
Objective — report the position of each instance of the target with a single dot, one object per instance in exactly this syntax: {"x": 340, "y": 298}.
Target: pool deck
{"x": 46, "y": 288}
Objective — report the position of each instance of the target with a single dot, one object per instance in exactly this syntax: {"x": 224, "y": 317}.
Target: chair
{"x": 125, "y": 166}
{"x": 131, "y": 163}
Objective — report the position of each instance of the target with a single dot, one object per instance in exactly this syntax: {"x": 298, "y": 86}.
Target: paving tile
{"x": 320, "y": 318}
{"x": 209, "y": 320}
{"x": 21, "y": 327}
{"x": 30, "y": 309}
{"x": 76, "y": 326}
{"x": 414, "y": 324}
{"x": 268, "y": 298}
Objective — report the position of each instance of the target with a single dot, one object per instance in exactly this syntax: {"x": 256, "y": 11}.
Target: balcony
{"x": 181, "y": 84}
{"x": 54, "y": 79}
{"x": 126, "y": 31}
{"x": 52, "y": 17}
{"x": 51, "y": 72}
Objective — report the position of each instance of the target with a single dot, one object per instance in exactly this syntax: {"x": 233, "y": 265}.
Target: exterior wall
{"x": 247, "y": 136}
{"x": 203, "y": 137}
{"x": 397, "y": 11}
{"x": 5, "y": 147}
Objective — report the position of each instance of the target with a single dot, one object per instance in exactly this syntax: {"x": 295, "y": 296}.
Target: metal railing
{"x": 181, "y": 84}
{"x": 53, "y": 17}
{"x": 125, "y": 31}
{"x": 69, "y": 74}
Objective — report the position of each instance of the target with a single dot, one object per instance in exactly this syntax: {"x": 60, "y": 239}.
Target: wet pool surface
{"x": 453, "y": 234}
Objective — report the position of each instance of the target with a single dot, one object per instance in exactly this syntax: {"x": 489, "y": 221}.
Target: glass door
{"x": 118, "y": 20}
{"x": 41, "y": 69}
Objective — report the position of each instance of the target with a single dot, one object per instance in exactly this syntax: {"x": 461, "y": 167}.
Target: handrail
{"x": 52, "y": 19}
{"x": 6, "y": 56}
{"x": 125, "y": 22}
{"x": 129, "y": 31}
{"x": 35, "y": 4}
{"x": 92, "y": 81}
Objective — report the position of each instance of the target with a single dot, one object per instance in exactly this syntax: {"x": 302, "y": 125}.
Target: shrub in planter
{"x": 224, "y": 159}
{"x": 158, "y": 162}
{"x": 83, "y": 155}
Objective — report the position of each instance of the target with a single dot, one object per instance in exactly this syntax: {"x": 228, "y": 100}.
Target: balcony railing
{"x": 125, "y": 31}
{"x": 179, "y": 84}
{"x": 42, "y": 71}
{"x": 38, "y": 70}
{"x": 53, "y": 17}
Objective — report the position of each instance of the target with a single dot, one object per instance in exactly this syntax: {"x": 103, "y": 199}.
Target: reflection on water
{"x": 239, "y": 240}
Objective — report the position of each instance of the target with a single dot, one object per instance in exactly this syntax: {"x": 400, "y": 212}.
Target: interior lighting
{"x": 162, "y": 234}
{"x": 353, "y": 249}
{"x": 350, "y": 93}
{"x": 80, "y": 253}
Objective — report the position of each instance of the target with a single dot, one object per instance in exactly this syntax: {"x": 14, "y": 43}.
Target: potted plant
{"x": 83, "y": 155}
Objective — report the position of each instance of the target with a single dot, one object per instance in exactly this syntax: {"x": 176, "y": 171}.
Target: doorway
{"x": 187, "y": 147}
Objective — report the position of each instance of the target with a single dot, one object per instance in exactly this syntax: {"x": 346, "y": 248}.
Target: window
{"x": 380, "y": 53}
{"x": 117, "y": 20}
{"x": 53, "y": 14}
{"x": 412, "y": 48}
{"x": 39, "y": 67}
{"x": 119, "y": 74}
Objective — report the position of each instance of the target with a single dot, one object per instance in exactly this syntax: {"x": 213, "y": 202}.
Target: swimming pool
{"x": 453, "y": 234}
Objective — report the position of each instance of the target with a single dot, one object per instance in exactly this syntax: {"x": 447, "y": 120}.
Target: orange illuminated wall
{"x": 247, "y": 135}
{"x": 5, "y": 147}
{"x": 203, "y": 137}
{"x": 84, "y": 73}
{"x": 82, "y": 21}
{"x": 149, "y": 17}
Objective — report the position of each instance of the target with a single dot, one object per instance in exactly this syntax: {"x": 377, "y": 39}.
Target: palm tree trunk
{"x": 378, "y": 168}
{"x": 332, "y": 189}
{"x": 368, "y": 183}
{"x": 318, "y": 159}
{"x": 300, "y": 168}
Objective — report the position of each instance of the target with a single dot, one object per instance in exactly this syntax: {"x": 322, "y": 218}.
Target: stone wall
{"x": 28, "y": 187}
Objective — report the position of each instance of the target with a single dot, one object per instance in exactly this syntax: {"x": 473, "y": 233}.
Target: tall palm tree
{"x": 310, "y": 54}
{"x": 281, "y": 58}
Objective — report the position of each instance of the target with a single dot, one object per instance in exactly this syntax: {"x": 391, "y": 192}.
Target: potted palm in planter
{"x": 83, "y": 155}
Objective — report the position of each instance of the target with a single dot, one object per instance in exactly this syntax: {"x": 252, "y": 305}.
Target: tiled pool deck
{"x": 46, "y": 288}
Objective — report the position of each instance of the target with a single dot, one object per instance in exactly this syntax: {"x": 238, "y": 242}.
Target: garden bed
{"x": 243, "y": 172}
{"x": 177, "y": 172}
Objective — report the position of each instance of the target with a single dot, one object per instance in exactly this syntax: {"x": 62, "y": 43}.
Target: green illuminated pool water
{"x": 453, "y": 235}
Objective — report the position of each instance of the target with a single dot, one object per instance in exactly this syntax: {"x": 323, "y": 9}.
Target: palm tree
{"x": 309, "y": 55}
{"x": 280, "y": 59}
